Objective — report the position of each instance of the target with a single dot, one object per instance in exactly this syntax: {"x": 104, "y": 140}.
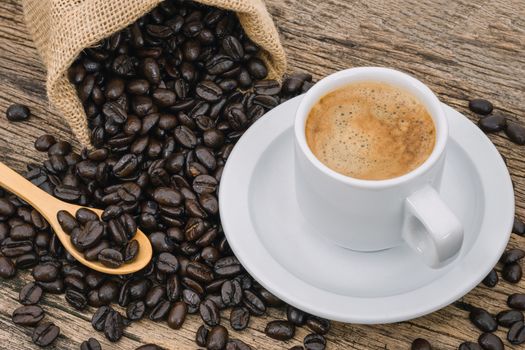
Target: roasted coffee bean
{"x": 516, "y": 301}
{"x": 257, "y": 68}
{"x": 518, "y": 227}
{"x": 417, "y": 344}
{"x": 512, "y": 272}
{"x": 318, "y": 325}
{"x": 42, "y": 143}
{"x": 11, "y": 249}
{"x": 227, "y": 266}
{"x": 76, "y": 299}
{"x": 209, "y": 313}
{"x": 480, "y": 106}
{"x": 90, "y": 235}
{"x": 99, "y": 317}
{"x": 199, "y": 272}
{"x": 45, "y": 334}
{"x": 17, "y": 112}
{"x": 91, "y": 254}
{"x": 111, "y": 258}
{"x": 23, "y": 232}
{"x": 28, "y": 315}
{"x": 253, "y": 303}
{"x": 45, "y": 272}
{"x": 516, "y": 133}
{"x": 267, "y": 87}
{"x": 149, "y": 347}
{"x": 54, "y": 287}
{"x": 192, "y": 299}
{"x": 177, "y": 315}
{"x": 108, "y": 291}
{"x": 7, "y": 268}
{"x": 493, "y": 123}
{"x": 516, "y": 334}
{"x": 185, "y": 136}
{"x": 231, "y": 293}
{"x": 483, "y": 320}
{"x": 113, "y": 326}
{"x": 239, "y": 318}
{"x": 512, "y": 256}
{"x": 85, "y": 215}
{"x": 160, "y": 311}
{"x": 75, "y": 283}
{"x": 135, "y": 310}
{"x": 208, "y": 91}
{"x": 66, "y": 221}
{"x": 489, "y": 341}
{"x": 280, "y": 330}
{"x": 90, "y": 344}
{"x": 201, "y": 335}
{"x": 295, "y": 316}
{"x": 509, "y": 317}
{"x": 217, "y": 338}
{"x": 232, "y": 47}
{"x": 468, "y": 345}
{"x": 317, "y": 342}
{"x": 236, "y": 344}
{"x": 173, "y": 288}
{"x": 269, "y": 299}
{"x": 30, "y": 294}
{"x": 154, "y": 296}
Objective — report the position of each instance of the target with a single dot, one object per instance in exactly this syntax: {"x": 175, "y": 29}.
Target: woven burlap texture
{"x": 61, "y": 29}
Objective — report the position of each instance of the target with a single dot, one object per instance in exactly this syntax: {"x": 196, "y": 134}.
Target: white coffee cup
{"x": 372, "y": 215}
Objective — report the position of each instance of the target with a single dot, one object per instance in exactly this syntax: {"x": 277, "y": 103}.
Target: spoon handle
{"x": 17, "y": 184}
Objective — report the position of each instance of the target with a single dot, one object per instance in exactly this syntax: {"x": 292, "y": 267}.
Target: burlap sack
{"x": 61, "y": 29}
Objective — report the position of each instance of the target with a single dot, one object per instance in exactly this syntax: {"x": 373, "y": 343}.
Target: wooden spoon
{"x": 49, "y": 206}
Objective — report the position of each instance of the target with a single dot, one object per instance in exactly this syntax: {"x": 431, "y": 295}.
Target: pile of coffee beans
{"x": 110, "y": 240}
{"x": 166, "y": 100}
{"x": 493, "y": 122}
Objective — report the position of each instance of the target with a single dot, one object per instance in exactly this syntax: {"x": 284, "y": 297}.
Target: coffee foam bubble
{"x": 370, "y": 131}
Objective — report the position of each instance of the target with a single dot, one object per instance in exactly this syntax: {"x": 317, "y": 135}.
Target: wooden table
{"x": 461, "y": 49}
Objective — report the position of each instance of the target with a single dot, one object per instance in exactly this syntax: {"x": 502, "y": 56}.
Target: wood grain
{"x": 461, "y": 49}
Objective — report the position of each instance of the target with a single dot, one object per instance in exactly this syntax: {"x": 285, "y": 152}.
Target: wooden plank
{"x": 461, "y": 49}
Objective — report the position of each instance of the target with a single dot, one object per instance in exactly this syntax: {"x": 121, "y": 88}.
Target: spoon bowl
{"x": 48, "y": 206}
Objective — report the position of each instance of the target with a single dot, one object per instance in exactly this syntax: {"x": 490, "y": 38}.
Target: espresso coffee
{"x": 370, "y": 131}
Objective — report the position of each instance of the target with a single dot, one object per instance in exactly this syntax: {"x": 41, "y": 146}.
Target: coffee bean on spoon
{"x": 512, "y": 272}
{"x": 480, "y": 106}
{"x": 17, "y": 112}
{"x": 493, "y": 123}
{"x": 111, "y": 258}
{"x": 491, "y": 279}
{"x": 483, "y": 320}
{"x": 489, "y": 341}
{"x": 516, "y": 133}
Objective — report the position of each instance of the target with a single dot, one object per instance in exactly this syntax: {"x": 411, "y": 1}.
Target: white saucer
{"x": 270, "y": 237}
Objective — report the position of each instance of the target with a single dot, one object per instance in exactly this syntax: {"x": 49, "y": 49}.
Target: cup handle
{"x": 430, "y": 228}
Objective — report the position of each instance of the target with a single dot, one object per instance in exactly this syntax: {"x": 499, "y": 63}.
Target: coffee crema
{"x": 370, "y": 131}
